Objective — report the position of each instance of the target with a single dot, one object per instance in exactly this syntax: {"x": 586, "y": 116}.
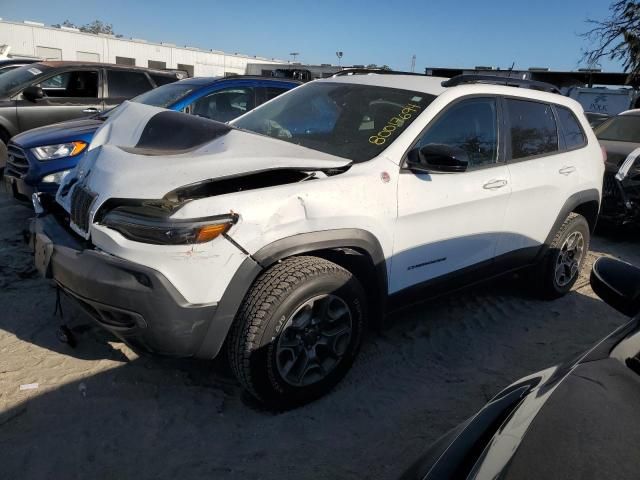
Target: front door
{"x": 450, "y": 221}
{"x": 68, "y": 95}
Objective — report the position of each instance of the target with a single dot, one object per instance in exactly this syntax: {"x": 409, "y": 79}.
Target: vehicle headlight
{"x": 57, "y": 177}
{"x": 51, "y": 152}
{"x": 145, "y": 225}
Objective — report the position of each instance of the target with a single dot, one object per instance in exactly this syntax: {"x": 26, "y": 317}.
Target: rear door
{"x": 69, "y": 94}
{"x": 124, "y": 84}
{"x": 543, "y": 176}
{"x": 450, "y": 222}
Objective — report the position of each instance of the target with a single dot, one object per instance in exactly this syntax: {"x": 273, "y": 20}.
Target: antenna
{"x": 294, "y": 55}
{"x": 413, "y": 63}
{"x": 511, "y": 69}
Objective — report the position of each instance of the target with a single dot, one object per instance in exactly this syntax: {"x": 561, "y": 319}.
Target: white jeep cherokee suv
{"x": 282, "y": 236}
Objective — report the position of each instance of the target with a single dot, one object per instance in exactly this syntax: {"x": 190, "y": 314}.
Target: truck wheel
{"x": 297, "y": 332}
{"x": 567, "y": 253}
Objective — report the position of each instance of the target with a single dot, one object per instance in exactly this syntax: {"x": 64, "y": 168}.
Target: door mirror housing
{"x": 618, "y": 284}
{"x": 33, "y": 93}
{"x": 435, "y": 157}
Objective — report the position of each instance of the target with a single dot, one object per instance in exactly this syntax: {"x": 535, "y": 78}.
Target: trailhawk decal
{"x": 394, "y": 123}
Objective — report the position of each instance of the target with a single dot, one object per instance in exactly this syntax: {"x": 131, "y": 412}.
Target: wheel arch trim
{"x": 305, "y": 243}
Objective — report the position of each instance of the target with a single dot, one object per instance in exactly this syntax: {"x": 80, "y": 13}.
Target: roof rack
{"x": 498, "y": 80}
{"x": 365, "y": 71}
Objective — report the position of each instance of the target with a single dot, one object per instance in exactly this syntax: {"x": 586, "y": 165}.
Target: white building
{"x": 33, "y": 39}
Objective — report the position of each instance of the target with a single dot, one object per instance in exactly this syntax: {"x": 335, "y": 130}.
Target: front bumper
{"x": 134, "y": 302}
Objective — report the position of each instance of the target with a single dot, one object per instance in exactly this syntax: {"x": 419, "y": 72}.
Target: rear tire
{"x": 561, "y": 266}
{"x": 297, "y": 332}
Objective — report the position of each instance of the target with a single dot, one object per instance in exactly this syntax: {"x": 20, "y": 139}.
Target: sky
{"x": 442, "y": 33}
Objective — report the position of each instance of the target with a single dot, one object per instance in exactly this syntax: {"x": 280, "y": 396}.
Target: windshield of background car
{"x": 165, "y": 95}
{"x": 162, "y": 97}
{"x": 623, "y": 128}
{"x": 347, "y": 120}
{"x": 19, "y": 77}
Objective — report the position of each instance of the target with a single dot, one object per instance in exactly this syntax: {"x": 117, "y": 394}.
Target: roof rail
{"x": 365, "y": 71}
{"x": 499, "y": 80}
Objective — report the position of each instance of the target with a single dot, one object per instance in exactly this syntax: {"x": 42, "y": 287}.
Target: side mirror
{"x": 33, "y": 93}
{"x": 435, "y": 157}
{"x": 618, "y": 284}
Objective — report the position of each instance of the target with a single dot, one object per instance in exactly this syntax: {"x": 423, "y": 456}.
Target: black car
{"x": 620, "y": 138}
{"x": 50, "y": 92}
{"x": 577, "y": 420}
{"x": 596, "y": 119}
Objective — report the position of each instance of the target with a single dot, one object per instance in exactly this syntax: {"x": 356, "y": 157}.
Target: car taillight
{"x": 604, "y": 154}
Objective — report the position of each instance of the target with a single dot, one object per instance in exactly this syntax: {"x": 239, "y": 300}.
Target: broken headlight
{"x": 145, "y": 225}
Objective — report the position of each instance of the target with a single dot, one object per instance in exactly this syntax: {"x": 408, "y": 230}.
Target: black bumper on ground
{"x": 136, "y": 303}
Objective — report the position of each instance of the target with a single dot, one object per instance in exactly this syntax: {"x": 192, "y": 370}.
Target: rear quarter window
{"x": 574, "y": 136}
{"x": 533, "y": 128}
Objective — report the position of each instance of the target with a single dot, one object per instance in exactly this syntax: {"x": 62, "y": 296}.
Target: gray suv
{"x": 49, "y": 92}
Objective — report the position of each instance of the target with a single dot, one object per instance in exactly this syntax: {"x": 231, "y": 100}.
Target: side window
{"x": 123, "y": 84}
{"x": 264, "y": 94}
{"x": 224, "y": 105}
{"x": 471, "y": 125}
{"x": 533, "y": 128}
{"x": 573, "y": 134}
{"x": 79, "y": 84}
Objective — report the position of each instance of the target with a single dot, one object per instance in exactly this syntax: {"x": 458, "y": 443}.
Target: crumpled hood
{"x": 116, "y": 166}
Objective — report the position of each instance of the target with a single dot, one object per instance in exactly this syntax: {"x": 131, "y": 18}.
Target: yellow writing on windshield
{"x": 394, "y": 123}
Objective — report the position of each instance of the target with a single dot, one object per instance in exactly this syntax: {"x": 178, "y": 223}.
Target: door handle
{"x": 495, "y": 184}
{"x": 567, "y": 170}
{"x": 91, "y": 110}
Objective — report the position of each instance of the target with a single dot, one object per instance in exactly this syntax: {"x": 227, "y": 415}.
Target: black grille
{"x": 17, "y": 163}
{"x": 81, "y": 201}
{"x": 610, "y": 188}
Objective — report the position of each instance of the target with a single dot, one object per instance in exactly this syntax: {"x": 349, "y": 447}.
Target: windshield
{"x": 18, "y": 77}
{"x": 343, "y": 119}
{"x": 163, "y": 96}
{"x": 623, "y": 128}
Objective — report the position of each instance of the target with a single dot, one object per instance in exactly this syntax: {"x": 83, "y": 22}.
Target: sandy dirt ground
{"x": 102, "y": 412}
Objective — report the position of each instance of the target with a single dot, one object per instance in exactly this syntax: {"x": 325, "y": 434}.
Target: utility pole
{"x": 339, "y": 55}
{"x": 294, "y": 55}
{"x": 413, "y": 63}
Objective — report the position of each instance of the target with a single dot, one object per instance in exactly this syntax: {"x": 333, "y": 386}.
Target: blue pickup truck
{"x": 39, "y": 159}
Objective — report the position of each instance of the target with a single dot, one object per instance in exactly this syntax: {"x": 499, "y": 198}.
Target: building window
{"x": 126, "y": 61}
{"x": 157, "y": 65}
{"x": 87, "y": 57}
{"x": 47, "y": 53}
{"x": 186, "y": 68}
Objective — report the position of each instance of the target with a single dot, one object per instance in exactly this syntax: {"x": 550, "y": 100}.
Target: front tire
{"x": 567, "y": 254}
{"x": 297, "y": 332}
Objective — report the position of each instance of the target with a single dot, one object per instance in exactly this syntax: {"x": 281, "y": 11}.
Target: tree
{"x": 617, "y": 37}
{"x": 97, "y": 26}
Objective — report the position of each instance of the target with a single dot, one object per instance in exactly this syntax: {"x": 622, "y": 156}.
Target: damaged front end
{"x": 141, "y": 236}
